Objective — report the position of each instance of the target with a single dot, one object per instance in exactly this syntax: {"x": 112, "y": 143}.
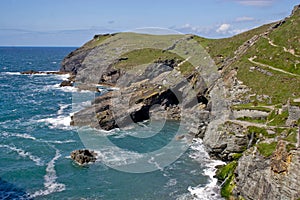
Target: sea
{"x": 36, "y": 140}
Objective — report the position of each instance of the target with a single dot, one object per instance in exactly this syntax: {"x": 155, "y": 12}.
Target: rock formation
{"x": 243, "y": 120}
{"x": 83, "y": 156}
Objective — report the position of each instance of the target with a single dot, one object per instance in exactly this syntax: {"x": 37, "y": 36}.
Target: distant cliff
{"x": 244, "y": 102}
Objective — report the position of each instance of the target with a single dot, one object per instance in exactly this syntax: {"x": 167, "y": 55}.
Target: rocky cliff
{"x": 240, "y": 95}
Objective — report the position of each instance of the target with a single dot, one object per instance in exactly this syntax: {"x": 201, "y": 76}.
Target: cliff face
{"x": 258, "y": 136}
{"x": 246, "y": 108}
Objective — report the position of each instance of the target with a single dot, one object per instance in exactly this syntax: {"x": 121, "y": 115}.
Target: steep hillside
{"x": 244, "y": 102}
{"x": 262, "y": 82}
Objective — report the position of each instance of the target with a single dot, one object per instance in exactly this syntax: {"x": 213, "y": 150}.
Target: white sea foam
{"x": 62, "y": 76}
{"x": 57, "y": 87}
{"x": 11, "y": 73}
{"x": 152, "y": 161}
{"x": 62, "y": 107}
{"x": 71, "y": 89}
{"x": 171, "y": 182}
{"x": 50, "y": 183}
{"x": 60, "y": 122}
{"x": 25, "y": 136}
{"x": 211, "y": 190}
{"x": 113, "y": 156}
{"x": 59, "y": 142}
{"x": 24, "y": 154}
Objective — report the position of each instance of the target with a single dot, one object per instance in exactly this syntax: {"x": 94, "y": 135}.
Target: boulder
{"x": 66, "y": 83}
{"x": 83, "y": 156}
{"x": 30, "y": 72}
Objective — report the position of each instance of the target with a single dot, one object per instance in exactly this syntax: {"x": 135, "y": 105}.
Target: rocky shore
{"x": 258, "y": 139}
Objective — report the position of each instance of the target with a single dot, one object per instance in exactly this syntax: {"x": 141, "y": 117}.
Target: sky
{"x": 74, "y": 22}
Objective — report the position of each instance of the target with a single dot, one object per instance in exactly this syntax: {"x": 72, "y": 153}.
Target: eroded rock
{"x": 280, "y": 159}
{"x": 83, "y": 156}
{"x": 66, "y": 83}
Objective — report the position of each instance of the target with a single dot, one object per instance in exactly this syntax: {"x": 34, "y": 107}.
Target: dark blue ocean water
{"x": 36, "y": 141}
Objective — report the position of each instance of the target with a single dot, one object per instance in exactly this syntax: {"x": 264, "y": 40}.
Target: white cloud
{"x": 189, "y": 28}
{"x": 223, "y": 28}
{"x": 244, "y": 19}
{"x": 255, "y": 2}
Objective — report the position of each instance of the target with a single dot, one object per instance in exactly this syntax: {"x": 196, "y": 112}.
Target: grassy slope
{"x": 278, "y": 86}
{"x": 220, "y": 49}
{"x": 148, "y": 55}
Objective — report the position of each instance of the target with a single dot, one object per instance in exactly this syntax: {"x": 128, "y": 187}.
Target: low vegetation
{"x": 220, "y": 49}
{"x": 226, "y": 174}
{"x": 278, "y": 119}
{"x": 140, "y": 57}
{"x": 266, "y": 149}
{"x": 251, "y": 106}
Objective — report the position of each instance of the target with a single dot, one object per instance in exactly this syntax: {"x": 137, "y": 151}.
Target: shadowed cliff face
{"x": 246, "y": 109}
{"x": 162, "y": 77}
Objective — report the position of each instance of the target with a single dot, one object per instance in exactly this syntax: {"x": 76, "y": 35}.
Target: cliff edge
{"x": 241, "y": 95}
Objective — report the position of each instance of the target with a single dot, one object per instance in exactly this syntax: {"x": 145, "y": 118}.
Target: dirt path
{"x": 291, "y": 51}
{"x": 270, "y": 67}
{"x": 271, "y": 42}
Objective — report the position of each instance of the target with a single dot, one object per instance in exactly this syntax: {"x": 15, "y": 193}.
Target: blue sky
{"x": 74, "y": 22}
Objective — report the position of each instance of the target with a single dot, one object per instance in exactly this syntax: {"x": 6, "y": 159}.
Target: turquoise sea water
{"x": 36, "y": 141}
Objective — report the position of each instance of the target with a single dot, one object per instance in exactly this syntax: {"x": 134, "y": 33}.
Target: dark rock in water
{"x": 30, "y": 72}
{"x": 41, "y": 72}
{"x": 83, "y": 156}
{"x": 66, "y": 83}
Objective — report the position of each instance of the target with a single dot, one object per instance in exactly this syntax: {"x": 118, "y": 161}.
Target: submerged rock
{"x": 83, "y": 156}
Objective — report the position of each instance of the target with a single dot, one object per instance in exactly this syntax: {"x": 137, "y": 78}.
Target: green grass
{"x": 227, "y": 188}
{"x": 288, "y": 30}
{"x": 278, "y": 86}
{"x": 259, "y": 130}
{"x": 274, "y": 86}
{"x": 290, "y": 147}
{"x": 226, "y": 170}
{"x": 139, "y": 57}
{"x": 253, "y": 120}
{"x": 275, "y": 57}
{"x": 266, "y": 149}
{"x": 219, "y": 49}
{"x": 237, "y": 156}
{"x": 250, "y": 106}
{"x": 292, "y": 136}
{"x": 226, "y": 173}
{"x": 99, "y": 39}
{"x": 278, "y": 119}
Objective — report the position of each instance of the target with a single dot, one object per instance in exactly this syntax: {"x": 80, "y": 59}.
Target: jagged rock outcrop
{"x": 229, "y": 139}
{"x": 275, "y": 178}
{"x": 66, "y": 83}
{"x": 143, "y": 98}
{"x": 83, "y": 156}
{"x": 205, "y": 100}
{"x": 281, "y": 159}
